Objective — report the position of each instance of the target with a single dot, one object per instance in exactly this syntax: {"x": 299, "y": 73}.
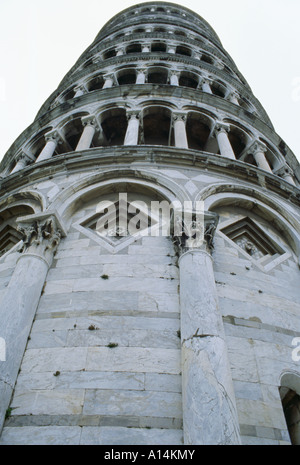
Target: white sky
{"x": 41, "y": 40}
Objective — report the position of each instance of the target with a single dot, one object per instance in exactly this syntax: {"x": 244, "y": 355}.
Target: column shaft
{"x": 141, "y": 77}
{"x": 174, "y": 81}
{"x": 48, "y": 150}
{"x": 86, "y": 137}
{"x": 224, "y": 144}
{"x": 209, "y": 412}
{"x": 132, "y": 133}
{"x": 20, "y": 301}
{"x": 261, "y": 161}
{"x": 180, "y": 133}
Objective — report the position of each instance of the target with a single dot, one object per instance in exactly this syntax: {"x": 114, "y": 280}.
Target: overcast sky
{"x": 41, "y": 40}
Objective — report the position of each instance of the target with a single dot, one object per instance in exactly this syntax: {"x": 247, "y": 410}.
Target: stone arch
{"x": 289, "y": 391}
{"x": 126, "y": 76}
{"x": 11, "y": 208}
{"x": 71, "y": 129}
{"x": 157, "y": 75}
{"x": 157, "y": 125}
{"x": 257, "y": 203}
{"x": 67, "y": 201}
{"x": 134, "y": 48}
{"x": 198, "y": 129}
{"x": 36, "y": 144}
{"x": 114, "y": 124}
{"x": 189, "y": 79}
{"x": 158, "y": 46}
{"x": 183, "y": 50}
{"x": 95, "y": 83}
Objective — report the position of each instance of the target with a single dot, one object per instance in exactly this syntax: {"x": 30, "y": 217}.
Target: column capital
{"x": 41, "y": 234}
{"x": 142, "y": 70}
{"x": 178, "y": 116}
{"x": 284, "y": 170}
{"x": 196, "y": 232}
{"x": 131, "y": 114}
{"x": 80, "y": 87}
{"x": 89, "y": 120}
{"x": 22, "y": 156}
{"x": 257, "y": 146}
{"x": 174, "y": 72}
{"x": 53, "y": 136}
{"x": 221, "y": 127}
{"x": 110, "y": 76}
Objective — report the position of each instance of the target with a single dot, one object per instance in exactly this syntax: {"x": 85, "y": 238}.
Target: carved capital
{"x": 221, "y": 127}
{"x": 24, "y": 157}
{"x": 53, "y": 136}
{"x": 89, "y": 121}
{"x": 41, "y": 235}
{"x": 195, "y": 232}
{"x": 178, "y": 116}
{"x": 132, "y": 114}
{"x": 284, "y": 171}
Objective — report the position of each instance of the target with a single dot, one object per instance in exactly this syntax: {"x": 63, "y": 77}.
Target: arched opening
{"x": 290, "y": 398}
{"x": 134, "y": 48}
{"x": 157, "y": 126}
{"x": 109, "y": 54}
{"x": 114, "y": 125}
{"x": 157, "y": 75}
{"x": 158, "y": 47}
{"x": 127, "y": 76}
{"x": 218, "y": 89}
{"x": 207, "y": 59}
{"x": 237, "y": 140}
{"x": 37, "y": 144}
{"x": 197, "y": 131}
{"x": 188, "y": 80}
{"x": 68, "y": 94}
{"x": 9, "y": 233}
{"x": 181, "y": 50}
{"x": 95, "y": 84}
{"x": 71, "y": 132}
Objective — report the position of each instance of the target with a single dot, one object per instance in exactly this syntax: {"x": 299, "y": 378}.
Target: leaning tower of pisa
{"x": 149, "y": 250}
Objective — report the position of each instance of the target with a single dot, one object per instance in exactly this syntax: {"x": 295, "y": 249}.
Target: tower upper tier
{"x": 155, "y": 75}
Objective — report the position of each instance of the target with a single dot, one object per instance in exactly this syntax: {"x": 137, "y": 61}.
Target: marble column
{"x": 141, "y": 76}
{"x": 221, "y": 131}
{"x": 52, "y": 139}
{"x": 171, "y": 49}
{"x": 109, "y": 80}
{"x": 89, "y": 124}
{"x": 209, "y": 410}
{"x": 174, "y": 78}
{"x": 41, "y": 236}
{"x": 79, "y": 90}
{"x": 180, "y": 136}
{"x": 206, "y": 86}
{"x": 132, "y": 132}
{"x": 233, "y": 98}
{"x": 286, "y": 173}
{"x": 146, "y": 48}
{"x": 258, "y": 151}
{"x": 22, "y": 160}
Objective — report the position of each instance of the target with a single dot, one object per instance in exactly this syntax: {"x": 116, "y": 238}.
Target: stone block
{"x": 138, "y": 403}
{"x": 130, "y": 436}
{"x": 131, "y": 359}
{"x": 46, "y": 435}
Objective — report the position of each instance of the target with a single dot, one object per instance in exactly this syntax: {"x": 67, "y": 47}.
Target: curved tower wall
{"x": 145, "y": 339}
